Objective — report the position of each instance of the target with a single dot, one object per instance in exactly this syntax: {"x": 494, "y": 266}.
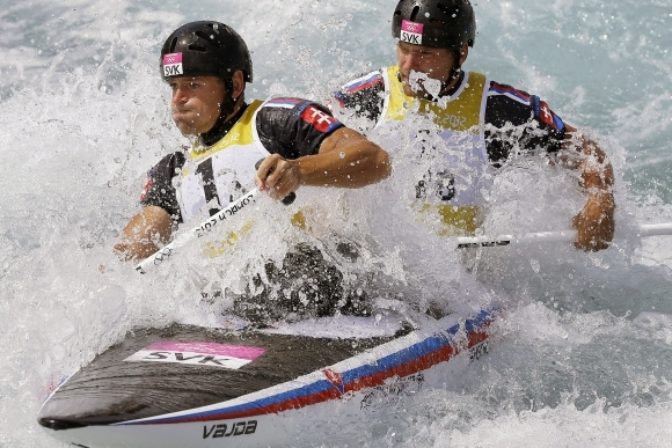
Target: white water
{"x": 584, "y": 355}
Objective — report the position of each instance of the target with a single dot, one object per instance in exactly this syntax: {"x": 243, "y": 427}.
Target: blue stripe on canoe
{"x": 409, "y": 354}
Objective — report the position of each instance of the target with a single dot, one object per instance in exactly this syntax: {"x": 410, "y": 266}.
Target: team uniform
{"x": 221, "y": 167}
{"x": 468, "y": 134}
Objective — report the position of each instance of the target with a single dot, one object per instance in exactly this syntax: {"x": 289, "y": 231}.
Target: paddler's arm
{"x": 144, "y": 234}
{"x": 595, "y": 222}
{"x": 345, "y": 159}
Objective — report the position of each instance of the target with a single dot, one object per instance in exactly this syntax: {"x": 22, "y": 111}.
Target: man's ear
{"x": 238, "y": 84}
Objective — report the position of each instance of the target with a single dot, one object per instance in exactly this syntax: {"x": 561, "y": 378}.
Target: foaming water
{"x": 584, "y": 354}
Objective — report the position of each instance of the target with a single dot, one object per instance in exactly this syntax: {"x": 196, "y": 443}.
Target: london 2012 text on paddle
{"x": 223, "y": 215}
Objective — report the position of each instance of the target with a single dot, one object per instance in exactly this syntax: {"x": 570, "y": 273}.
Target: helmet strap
{"x": 228, "y": 102}
{"x": 226, "y": 109}
{"x": 455, "y": 74}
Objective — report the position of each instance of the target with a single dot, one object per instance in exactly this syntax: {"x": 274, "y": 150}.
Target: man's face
{"x": 195, "y": 102}
{"x": 434, "y": 63}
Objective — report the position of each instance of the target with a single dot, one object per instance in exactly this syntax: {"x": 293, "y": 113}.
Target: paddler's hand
{"x": 595, "y": 223}
{"x": 278, "y": 177}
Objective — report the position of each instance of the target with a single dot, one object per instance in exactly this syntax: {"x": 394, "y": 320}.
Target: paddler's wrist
{"x": 602, "y": 198}
{"x": 309, "y": 171}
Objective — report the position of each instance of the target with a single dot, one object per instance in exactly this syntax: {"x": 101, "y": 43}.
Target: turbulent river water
{"x": 583, "y": 357}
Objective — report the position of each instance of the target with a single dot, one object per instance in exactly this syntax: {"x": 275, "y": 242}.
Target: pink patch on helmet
{"x": 412, "y": 27}
{"x": 172, "y": 58}
{"x": 411, "y": 32}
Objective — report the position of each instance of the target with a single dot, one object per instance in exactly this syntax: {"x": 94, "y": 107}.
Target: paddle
{"x": 644, "y": 230}
{"x": 228, "y": 214}
{"x": 231, "y": 212}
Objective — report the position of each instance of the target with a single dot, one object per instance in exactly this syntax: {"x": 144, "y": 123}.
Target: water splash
{"x": 586, "y": 349}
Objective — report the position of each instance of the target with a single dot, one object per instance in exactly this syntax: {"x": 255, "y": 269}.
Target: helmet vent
{"x": 205, "y": 36}
{"x": 414, "y": 14}
{"x": 172, "y": 45}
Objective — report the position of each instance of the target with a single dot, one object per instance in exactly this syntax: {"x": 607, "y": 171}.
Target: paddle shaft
{"x": 644, "y": 230}
{"x": 231, "y": 213}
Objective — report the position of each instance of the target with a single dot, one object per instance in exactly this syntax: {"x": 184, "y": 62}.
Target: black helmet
{"x": 205, "y": 48}
{"x": 435, "y": 23}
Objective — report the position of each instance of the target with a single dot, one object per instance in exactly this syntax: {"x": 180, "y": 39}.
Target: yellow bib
{"x": 461, "y": 112}
{"x": 460, "y": 115}
{"x": 241, "y": 134}
{"x": 231, "y": 164}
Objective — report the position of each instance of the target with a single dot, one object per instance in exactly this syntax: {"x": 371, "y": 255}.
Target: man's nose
{"x": 180, "y": 95}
